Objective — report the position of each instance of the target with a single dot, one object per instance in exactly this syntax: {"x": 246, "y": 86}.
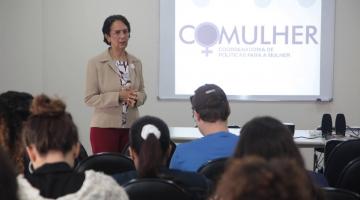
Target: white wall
{"x": 45, "y": 45}
{"x": 21, "y": 45}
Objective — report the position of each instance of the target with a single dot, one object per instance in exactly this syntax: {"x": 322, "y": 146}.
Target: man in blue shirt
{"x": 210, "y": 110}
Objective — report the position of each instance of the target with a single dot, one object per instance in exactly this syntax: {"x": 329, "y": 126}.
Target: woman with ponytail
{"x": 150, "y": 149}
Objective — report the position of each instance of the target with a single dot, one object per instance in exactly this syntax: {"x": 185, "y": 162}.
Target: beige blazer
{"x": 102, "y": 90}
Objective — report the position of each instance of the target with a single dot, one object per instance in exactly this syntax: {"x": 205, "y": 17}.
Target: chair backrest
{"x": 109, "y": 163}
{"x": 156, "y": 188}
{"x": 339, "y": 157}
{"x": 126, "y": 150}
{"x": 82, "y": 156}
{"x": 339, "y": 194}
{"x": 213, "y": 169}
{"x": 173, "y": 147}
{"x": 350, "y": 176}
{"x": 329, "y": 146}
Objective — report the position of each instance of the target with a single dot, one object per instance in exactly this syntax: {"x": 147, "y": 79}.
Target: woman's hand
{"x": 131, "y": 102}
{"x": 129, "y": 96}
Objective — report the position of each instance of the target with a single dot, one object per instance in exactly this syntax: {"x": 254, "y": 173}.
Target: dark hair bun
{"x": 43, "y": 105}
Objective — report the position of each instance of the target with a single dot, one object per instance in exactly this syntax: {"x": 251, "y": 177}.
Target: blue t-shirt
{"x": 191, "y": 155}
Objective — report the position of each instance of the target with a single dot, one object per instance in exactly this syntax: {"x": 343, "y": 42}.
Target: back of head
{"x": 211, "y": 103}
{"x": 8, "y": 183}
{"x": 18, "y": 102}
{"x": 50, "y": 127}
{"x": 267, "y": 137}
{"x": 253, "y": 178}
{"x": 149, "y": 137}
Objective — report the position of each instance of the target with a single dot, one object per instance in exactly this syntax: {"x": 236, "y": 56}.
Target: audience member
{"x": 268, "y": 138}
{"x": 150, "y": 148}
{"x": 253, "y": 178}
{"x": 210, "y": 111}
{"x": 14, "y": 110}
{"x": 52, "y": 143}
{"x": 8, "y": 184}
{"x": 18, "y": 102}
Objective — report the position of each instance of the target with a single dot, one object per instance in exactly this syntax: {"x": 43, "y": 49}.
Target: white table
{"x": 303, "y": 138}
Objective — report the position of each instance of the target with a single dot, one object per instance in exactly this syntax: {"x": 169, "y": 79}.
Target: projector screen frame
{"x": 167, "y": 55}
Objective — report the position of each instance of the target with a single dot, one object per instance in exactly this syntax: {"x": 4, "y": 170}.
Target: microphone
{"x": 326, "y": 124}
{"x": 340, "y": 124}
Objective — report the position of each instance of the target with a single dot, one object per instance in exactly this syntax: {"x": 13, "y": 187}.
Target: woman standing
{"x": 114, "y": 87}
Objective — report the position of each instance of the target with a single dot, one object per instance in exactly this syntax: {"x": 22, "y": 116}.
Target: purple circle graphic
{"x": 262, "y": 3}
{"x": 206, "y": 34}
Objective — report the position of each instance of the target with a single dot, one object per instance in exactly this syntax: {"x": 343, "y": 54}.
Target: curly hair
{"x": 13, "y": 147}
{"x": 8, "y": 183}
{"x": 18, "y": 102}
{"x": 14, "y": 110}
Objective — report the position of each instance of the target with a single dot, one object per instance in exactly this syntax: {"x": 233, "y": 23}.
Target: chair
{"x": 339, "y": 157}
{"x": 82, "y": 156}
{"x": 331, "y": 193}
{"x": 173, "y": 147}
{"x": 156, "y": 188}
{"x": 329, "y": 146}
{"x": 109, "y": 163}
{"x": 125, "y": 150}
{"x": 213, "y": 169}
{"x": 350, "y": 176}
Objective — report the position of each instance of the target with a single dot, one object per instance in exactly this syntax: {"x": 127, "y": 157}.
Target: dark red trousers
{"x": 108, "y": 139}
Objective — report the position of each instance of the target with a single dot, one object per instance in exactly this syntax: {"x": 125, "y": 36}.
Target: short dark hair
{"x": 211, "y": 103}
{"x": 109, "y": 21}
{"x": 151, "y": 150}
{"x": 269, "y": 138}
{"x": 50, "y": 127}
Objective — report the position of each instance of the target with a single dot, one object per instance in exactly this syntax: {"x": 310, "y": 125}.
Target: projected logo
{"x": 206, "y": 35}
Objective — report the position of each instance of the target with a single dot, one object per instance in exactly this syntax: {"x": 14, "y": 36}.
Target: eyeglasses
{"x": 118, "y": 33}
